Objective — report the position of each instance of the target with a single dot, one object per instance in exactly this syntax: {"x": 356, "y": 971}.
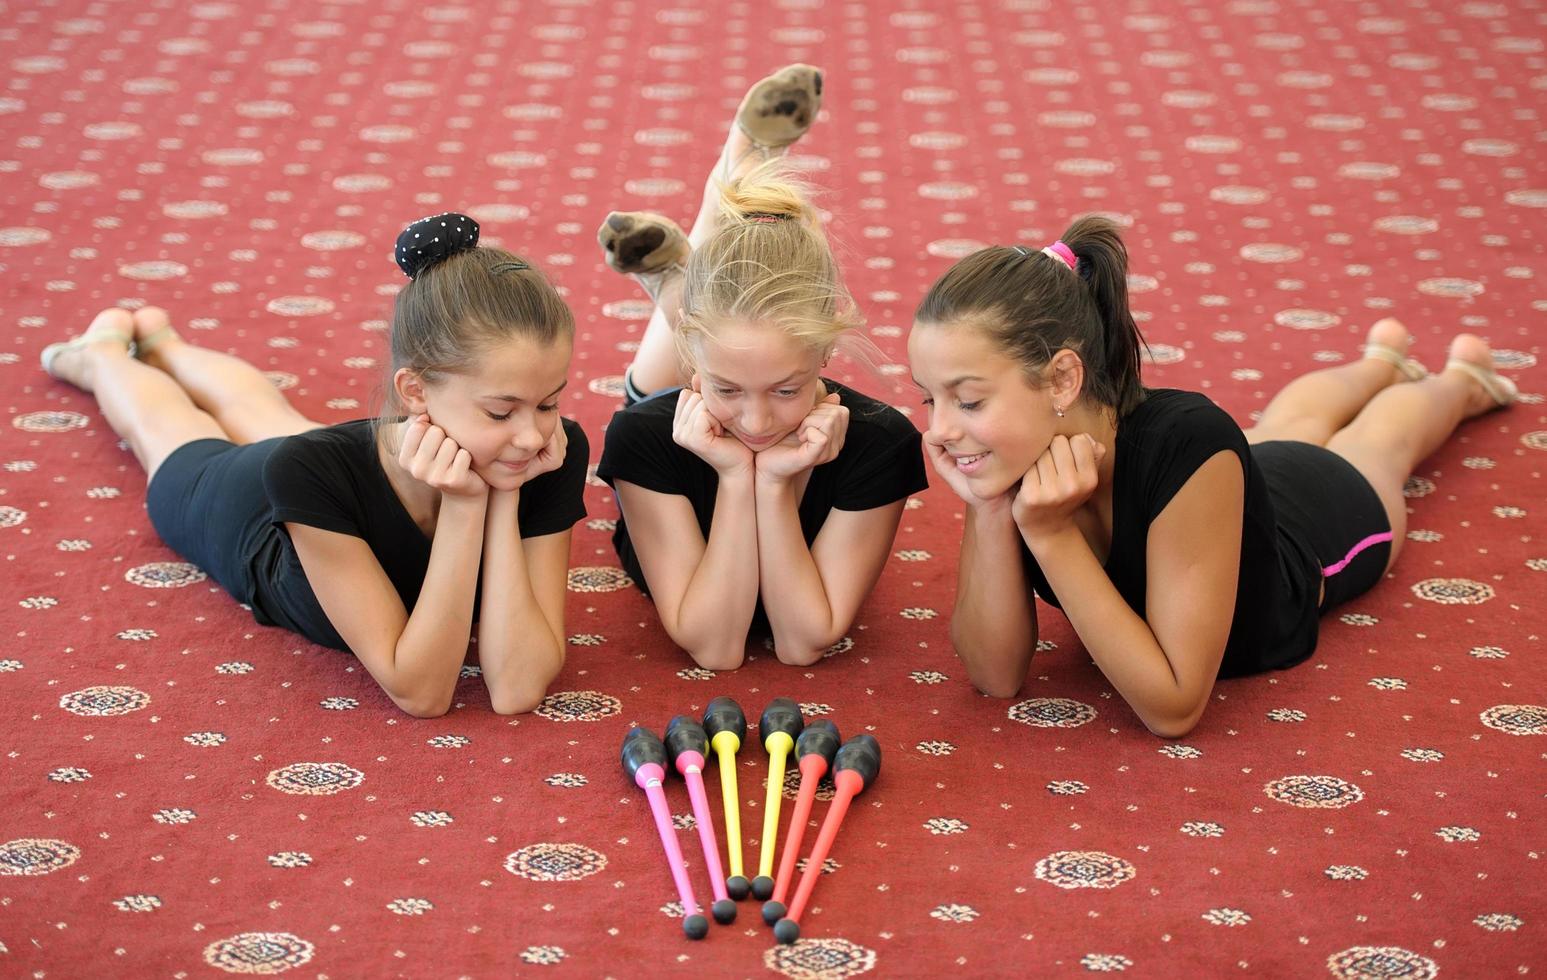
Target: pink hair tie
{"x": 1062, "y": 253}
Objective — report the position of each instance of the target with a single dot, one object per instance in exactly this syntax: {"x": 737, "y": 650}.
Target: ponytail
{"x": 1033, "y": 304}
{"x": 767, "y": 262}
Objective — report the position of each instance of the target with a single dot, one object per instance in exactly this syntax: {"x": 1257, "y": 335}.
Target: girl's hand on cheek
{"x": 432, "y": 457}
{"x": 1060, "y": 482}
{"x": 818, "y": 439}
{"x": 945, "y": 465}
{"x": 699, "y": 432}
{"x": 549, "y": 458}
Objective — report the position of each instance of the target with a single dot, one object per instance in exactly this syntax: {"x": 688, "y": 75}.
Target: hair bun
{"x": 433, "y": 239}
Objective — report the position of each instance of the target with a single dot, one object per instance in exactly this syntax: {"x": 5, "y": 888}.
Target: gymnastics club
{"x": 780, "y": 724}
{"x": 726, "y": 725}
{"x": 686, "y": 742}
{"x": 854, "y": 768}
{"x": 644, "y": 759}
{"x": 815, "y": 750}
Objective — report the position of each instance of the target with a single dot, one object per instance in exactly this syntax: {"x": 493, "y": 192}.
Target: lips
{"x": 515, "y": 467}
{"x": 967, "y": 465}
{"x": 757, "y": 443}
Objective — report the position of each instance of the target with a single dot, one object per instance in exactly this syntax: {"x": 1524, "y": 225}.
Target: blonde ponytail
{"x": 767, "y": 262}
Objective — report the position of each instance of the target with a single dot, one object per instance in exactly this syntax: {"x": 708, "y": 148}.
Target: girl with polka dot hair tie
{"x": 1181, "y": 548}
{"x": 398, "y": 538}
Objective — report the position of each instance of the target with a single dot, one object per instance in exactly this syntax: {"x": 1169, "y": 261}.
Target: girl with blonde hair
{"x": 759, "y": 496}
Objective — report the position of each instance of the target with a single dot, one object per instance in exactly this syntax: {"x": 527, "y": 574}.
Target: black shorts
{"x": 208, "y": 504}
{"x": 1329, "y": 510}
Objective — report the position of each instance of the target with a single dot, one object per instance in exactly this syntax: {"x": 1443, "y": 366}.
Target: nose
{"x": 755, "y": 417}
{"x": 942, "y": 428}
{"x": 528, "y": 439}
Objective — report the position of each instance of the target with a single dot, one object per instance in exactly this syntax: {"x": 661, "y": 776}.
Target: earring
{"x": 1058, "y": 411}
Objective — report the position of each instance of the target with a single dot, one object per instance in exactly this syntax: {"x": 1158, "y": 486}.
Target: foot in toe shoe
{"x": 641, "y": 242}
{"x": 779, "y": 109}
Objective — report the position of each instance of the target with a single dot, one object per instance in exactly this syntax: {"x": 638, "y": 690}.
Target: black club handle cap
{"x": 641, "y": 747}
{"x": 781, "y": 715}
{"x": 861, "y": 754}
{"x": 820, "y": 737}
{"x": 724, "y": 715}
{"x": 685, "y": 734}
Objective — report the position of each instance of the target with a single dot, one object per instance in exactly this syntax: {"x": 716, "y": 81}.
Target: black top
{"x": 881, "y": 461}
{"x": 1159, "y": 447}
{"x": 331, "y": 478}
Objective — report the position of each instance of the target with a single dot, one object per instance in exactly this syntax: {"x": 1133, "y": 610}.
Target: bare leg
{"x": 144, "y": 406}
{"x": 1404, "y": 424}
{"x": 244, "y": 402}
{"x": 656, "y": 365}
{"x": 1313, "y": 407}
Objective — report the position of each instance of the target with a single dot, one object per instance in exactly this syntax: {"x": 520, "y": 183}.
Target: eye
{"x": 928, "y": 402}
{"x": 970, "y": 406}
{"x": 725, "y": 392}
{"x": 551, "y": 407}
{"x": 499, "y": 418}
{"x": 787, "y": 392}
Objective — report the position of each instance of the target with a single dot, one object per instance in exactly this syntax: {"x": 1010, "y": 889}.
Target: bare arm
{"x": 704, "y": 591}
{"x": 1164, "y": 664}
{"x": 820, "y": 587}
{"x": 994, "y": 624}
{"x": 415, "y": 658}
{"x": 521, "y": 625}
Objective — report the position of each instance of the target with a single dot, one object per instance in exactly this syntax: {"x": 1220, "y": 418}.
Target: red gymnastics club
{"x": 854, "y": 768}
{"x": 815, "y": 749}
{"x": 644, "y": 759}
{"x": 687, "y": 742}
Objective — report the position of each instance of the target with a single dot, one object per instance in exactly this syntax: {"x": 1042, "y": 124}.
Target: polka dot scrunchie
{"x": 430, "y": 240}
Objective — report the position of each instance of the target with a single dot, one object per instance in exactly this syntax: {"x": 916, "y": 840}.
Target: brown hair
{"x": 461, "y": 306}
{"x": 1033, "y": 305}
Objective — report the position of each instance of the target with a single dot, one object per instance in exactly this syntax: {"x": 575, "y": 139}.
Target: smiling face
{"x": 758, "y": 381}
{"x": 502, "y": 410}
{"x": 983, "y": 409}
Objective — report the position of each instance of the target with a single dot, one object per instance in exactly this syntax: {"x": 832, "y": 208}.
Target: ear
{"x": 409, "y": 387}
{"x": 1066, "y": 378}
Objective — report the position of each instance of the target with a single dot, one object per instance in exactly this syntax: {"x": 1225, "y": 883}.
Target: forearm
{"x": 520, "y": 651}
{"x": 429, "y": 653}
{"x": 994, "y": 624}
{"x": 711, "y": 619}
{"x": 1119, "y": 640}
{"x": 799, "y": 610}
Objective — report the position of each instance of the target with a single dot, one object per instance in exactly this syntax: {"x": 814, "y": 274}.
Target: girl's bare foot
{"x": 647, "y": 246}
{"x": 1388, "y": 341}
{"x": 152, "y": 331}
{"x": 776, "y": 112}
{"x": 1471, "y": 358}
{"x": 111, "y": 332}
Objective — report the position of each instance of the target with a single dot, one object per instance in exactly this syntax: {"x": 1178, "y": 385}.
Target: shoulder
{"x": 653, "y": 416}
{"x": 345, "y": 445}
{"x": 1170, "y": 414}
{"x": 871, "y": 415}
{"x": 579, "y": 443}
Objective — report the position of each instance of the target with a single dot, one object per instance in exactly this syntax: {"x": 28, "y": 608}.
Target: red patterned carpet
{"x": 183, "y": 792}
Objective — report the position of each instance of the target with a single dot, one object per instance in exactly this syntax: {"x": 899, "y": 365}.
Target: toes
{"x": 112, "y": 318}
